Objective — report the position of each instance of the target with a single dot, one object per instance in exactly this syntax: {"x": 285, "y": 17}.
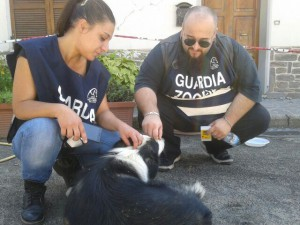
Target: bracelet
{"x": 224, "y": 117}
{"x": 151, "y": 113}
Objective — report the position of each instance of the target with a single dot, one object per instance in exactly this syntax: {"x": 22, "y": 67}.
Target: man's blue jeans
{"x": 38, "y": 143}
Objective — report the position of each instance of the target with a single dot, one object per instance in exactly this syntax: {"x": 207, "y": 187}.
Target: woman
{"x": 58, "y": 85}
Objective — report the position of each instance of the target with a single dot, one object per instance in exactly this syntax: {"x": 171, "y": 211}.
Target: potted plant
{"x": 6, "y": 112}
{"x": 120, "y": 91}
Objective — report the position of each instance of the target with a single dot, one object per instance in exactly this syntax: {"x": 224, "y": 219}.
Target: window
{"x": 34, "y": 17}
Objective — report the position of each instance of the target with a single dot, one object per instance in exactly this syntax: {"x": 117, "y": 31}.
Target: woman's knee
{"x": 39, "y": 134}
{"x": 44, "y": 128}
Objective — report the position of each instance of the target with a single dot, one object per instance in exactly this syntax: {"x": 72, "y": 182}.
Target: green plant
{"x": 123, "y": 70}
{"x": 5, "y": 82}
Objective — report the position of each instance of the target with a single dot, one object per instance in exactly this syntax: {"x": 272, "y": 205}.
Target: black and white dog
{"x": 120, "y": 190}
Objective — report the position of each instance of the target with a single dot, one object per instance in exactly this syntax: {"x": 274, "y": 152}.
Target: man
{"x": 195, "y": 78}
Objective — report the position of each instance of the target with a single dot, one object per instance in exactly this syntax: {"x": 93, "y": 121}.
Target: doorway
{"x": 238, "y": 19}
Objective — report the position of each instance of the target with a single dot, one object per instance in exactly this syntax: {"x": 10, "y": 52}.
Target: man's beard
{"x": 194, "y": 64}
{"x": 185, "y": 60}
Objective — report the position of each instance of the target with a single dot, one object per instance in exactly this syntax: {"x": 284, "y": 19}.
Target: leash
{"x": 9, "y": 157}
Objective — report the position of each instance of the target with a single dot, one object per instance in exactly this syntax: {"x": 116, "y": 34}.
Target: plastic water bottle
{"x": 232, "y": 139}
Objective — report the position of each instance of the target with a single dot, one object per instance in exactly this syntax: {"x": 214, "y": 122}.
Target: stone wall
{"x": 284, "y": 75}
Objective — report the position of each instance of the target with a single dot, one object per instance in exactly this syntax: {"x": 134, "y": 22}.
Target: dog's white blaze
{"x": 132, "y": 158}
{"x": 121, "y": 149}
{"x": 161, "y": 146}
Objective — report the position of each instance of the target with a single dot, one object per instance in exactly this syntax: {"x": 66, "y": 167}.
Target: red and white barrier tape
{"x": 279, "y": 50}
{"x": 140, "y": 38}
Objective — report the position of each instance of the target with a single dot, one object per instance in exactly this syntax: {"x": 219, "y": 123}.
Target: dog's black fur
{"x": 119, "y": 190}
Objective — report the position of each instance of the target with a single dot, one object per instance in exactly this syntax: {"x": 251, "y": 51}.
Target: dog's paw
{"x": 196, "y": 188}
{"x": 68, "y": 191}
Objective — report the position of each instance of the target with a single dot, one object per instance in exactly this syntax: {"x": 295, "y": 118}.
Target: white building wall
{"x": 286, "y": 13}
{"x": 5, "y": 26}
{"x": 151, "y": 19}
{"x": 156, "y": 19}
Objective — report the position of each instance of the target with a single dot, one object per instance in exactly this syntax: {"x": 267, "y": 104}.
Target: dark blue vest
{"x": 56, "y": 83}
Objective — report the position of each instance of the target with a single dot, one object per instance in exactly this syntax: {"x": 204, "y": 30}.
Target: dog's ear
{"x": 150, "y": 153}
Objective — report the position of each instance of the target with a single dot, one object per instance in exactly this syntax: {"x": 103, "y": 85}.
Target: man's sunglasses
{"x": 202, "y": 43}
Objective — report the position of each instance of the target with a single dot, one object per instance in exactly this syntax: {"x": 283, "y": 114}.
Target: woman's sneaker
{"x": 222, "y": 158}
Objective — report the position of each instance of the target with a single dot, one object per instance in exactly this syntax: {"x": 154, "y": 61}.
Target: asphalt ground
{"x": 261, "y": 187}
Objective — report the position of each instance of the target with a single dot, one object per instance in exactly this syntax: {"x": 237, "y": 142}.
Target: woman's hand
{"x": 127, "y": 132}
{"x": 70, "y": 124}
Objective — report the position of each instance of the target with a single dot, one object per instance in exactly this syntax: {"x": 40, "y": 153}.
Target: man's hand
{"x": 147, "y": 103}
{"x": 152, "y": 126}
{"x": 237, "y": 109}
{"x": 219, "y": 129}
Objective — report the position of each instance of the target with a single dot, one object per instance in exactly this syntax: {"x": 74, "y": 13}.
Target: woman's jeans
{"x": 38, "y": 142}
